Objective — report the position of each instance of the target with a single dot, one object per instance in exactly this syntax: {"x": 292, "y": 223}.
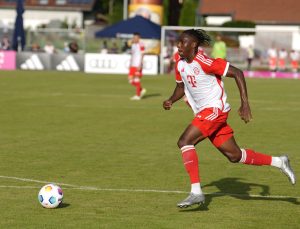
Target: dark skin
{"x": 187, "y": 48}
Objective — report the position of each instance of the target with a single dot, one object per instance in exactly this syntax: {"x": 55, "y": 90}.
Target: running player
{"x": 200, "y": 79}
{"x": 136, "y": 66}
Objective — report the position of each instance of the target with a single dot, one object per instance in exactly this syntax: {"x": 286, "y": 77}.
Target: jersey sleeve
{"x": 218, "y": 67}
{"x": 177, "y": 73}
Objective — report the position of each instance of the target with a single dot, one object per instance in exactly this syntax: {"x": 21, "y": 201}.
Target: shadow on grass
{"x": 63, "y": 205}
{"x": 238, "y": 189}
{"x": 147, "y": 96}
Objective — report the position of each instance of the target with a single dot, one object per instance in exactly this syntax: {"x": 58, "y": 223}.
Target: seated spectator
{"x": 49, "y": 48}
{"x": 114, "y": 48}
{"x": 35, "y": 47}
{"x": 5, "y": 43}
{"x": 73, "y": 46}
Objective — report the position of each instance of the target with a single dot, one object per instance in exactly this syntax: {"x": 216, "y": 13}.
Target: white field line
{"x": 87, "y": 188}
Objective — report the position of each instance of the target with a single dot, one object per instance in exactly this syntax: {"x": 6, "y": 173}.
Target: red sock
{"x": 190, "y": 160}
{"x": 138, "y": 88}
{"x": 251, "y": 157}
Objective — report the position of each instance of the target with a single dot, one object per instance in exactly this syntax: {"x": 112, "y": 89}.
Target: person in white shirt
{"x": 136, "y": 66}
{"x": 282, "y": 56}
{"x": 294, "y": 57}
{"x": 199, "y": 77}
{"x": 272, "y": 58}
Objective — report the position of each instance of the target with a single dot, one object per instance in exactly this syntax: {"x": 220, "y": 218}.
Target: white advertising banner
{"x": 117, "y": 63}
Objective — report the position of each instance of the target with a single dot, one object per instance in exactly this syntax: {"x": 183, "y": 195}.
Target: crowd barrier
{"x": 97, "y": 63}
{"x": 89, "y": 62}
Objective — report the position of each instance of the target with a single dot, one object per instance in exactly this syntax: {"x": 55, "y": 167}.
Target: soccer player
{"x": 200, "y": 79}
{"x": 294, "y": 56}
{"x": 282, "y": 56}
{"x": 272, "y": 56}
{"x": 136, "y": 66}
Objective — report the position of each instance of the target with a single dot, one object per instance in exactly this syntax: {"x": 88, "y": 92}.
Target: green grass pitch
{"x": 117, "y": 160}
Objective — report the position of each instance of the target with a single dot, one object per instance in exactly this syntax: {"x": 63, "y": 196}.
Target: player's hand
{"x": 167, "y": 104}
{"x": 245, "y": 112}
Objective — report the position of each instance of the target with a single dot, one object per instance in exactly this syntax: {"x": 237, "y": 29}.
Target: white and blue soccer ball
{"x": 50, "y": 196}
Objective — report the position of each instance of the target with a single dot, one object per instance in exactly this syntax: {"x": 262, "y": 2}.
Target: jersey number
{"x": 192, "y": 80}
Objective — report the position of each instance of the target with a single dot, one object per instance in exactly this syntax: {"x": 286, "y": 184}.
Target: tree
{"x": 188, "y": 13}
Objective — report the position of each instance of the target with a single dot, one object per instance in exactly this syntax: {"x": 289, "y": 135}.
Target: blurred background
{"x": 253, "y": 32}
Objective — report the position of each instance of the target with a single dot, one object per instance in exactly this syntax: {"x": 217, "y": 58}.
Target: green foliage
{"x": 117, "y": 14}
{"x": 240, "y": 24}
{"x": 188, "y": 13}
{"x": 165, "y": 11}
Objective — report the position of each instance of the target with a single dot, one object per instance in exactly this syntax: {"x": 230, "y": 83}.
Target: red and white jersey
{"x": 137, "y": 51}
{"x": 202, "y": 80}
{"x": 282, "y": 54}
{"x": 272, "y": 53}
{"x": 294, "y": 55}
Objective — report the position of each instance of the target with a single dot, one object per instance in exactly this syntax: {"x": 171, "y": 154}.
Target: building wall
{"x": 34, "y": 18}
{"x": 259, "y": 11}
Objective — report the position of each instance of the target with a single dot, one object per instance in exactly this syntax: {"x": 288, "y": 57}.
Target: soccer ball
{"x": 50, "y": 196}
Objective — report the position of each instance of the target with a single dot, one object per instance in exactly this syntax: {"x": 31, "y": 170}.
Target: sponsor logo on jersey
{"x": 196, "y": 71}
{"x": 68, "y": 64}
{"x": 33, "y": 63}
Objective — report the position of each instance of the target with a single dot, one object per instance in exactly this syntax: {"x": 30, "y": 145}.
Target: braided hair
{"x": 200, "y": 35}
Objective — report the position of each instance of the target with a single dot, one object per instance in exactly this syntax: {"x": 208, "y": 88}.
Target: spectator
{"x": 104, "y": 48}
{"x": 66, "y": 47}
{"x": 5, "y": 43}
{"x": 294, "y": 57}
{"x": 126, "y": 47}
{"x": 35, "y": 47}
{"x": 73, "y": 46}
{"x": 250, "y": 56}
{"x": 219, "y": 49}
{"x": 49, "y": 48}
{"x": 114, "y": 48}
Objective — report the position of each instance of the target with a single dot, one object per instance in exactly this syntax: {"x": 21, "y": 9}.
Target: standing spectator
{"x": 294, "y": 57}
{"x": 219, "y": 49}
{"x": 250, "y": 56}
{"x": 136, "y": 66}
{"x": 272, "y": 57}
{"x": 125, "y": 47}
{"x": 282, "y": 54}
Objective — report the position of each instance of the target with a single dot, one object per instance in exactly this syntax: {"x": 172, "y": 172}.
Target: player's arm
{"x": 177, "y": 94}
{"x": 238, "y": 75}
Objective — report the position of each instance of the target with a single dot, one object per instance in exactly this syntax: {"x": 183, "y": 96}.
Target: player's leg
{"x": 250, "y": 157}
{"x": 141, "y": 89}
{"x": 186, "y": 143}
{"x": 132, "y": 79}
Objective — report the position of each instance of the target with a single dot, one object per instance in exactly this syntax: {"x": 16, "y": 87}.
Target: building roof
{"x": 63, "y": 5}
{"x": 259, "y": 11}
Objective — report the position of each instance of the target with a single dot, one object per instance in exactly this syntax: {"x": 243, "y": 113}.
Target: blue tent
{"x": 19, "y": 34}
{"x": 145, "y": 27}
